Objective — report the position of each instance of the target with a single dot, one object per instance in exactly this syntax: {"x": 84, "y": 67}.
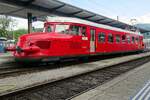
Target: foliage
{"x": 19, "y": 32}
{"x": 37, "y": 29}
{"x": 3, "y": 33}
{"x": 6, "y": 24}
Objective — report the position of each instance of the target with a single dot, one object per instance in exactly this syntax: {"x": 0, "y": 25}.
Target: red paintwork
{"x": 71, "y": 45}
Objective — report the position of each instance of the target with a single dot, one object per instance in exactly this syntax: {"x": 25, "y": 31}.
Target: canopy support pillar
{"x": 29, "y": 15}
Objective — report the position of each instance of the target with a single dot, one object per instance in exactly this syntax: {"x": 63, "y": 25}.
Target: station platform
{"x": 133, "y": 85}
{"x": 6, "y": 57}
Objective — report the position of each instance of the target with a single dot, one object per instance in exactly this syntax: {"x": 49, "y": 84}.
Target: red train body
{"x": 73, "y": 38}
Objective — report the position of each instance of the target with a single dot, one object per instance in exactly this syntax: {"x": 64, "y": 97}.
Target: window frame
{"x": 123, "y": 40}
{"x": 133, "y": 39}
{"x": 128, "y": 39}
{"x": 137, "y": 40}
{"x": 80, "y": 30}
{"x": 93, "y": 38}
{"x": 51, "y": 26}
{"x": 110, "y": 39}
{"x": 100, "y": 39}
{"x": 118, "y": 35}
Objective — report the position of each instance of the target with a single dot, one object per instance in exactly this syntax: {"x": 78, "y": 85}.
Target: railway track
{"x": 68, "y": 88}
{"x": 14, "y": 69}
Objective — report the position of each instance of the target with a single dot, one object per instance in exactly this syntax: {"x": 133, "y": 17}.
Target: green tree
{"x": 19, "y": 32}
{"x": 6, "y": 24}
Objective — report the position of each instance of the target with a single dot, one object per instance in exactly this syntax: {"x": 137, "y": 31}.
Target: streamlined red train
{"x": 71, "y": 37}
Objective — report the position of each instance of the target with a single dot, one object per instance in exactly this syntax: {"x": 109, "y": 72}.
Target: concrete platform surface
{"x": 11, "y": 84}
{"x": 5, "y": 54}
{"x": 128, "y": 86}
{"x": 144, "y": 93}
{"x": 6, "y": 57}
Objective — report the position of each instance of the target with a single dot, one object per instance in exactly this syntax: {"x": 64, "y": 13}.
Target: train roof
{"x": 81, "y": 21}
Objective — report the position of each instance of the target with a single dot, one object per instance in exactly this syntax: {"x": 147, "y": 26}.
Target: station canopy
{"x": 40, "y": 8}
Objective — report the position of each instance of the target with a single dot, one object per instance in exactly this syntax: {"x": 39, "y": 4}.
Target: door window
{"x": 92, "y": 34}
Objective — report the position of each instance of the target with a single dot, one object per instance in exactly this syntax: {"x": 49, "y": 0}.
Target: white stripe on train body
{"x": 81, "y": 21}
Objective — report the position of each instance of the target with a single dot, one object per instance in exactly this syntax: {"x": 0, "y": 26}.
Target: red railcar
{"x": 74, "y": 37}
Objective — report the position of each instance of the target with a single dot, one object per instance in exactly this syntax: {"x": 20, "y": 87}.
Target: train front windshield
{"x": 49, "y": 28}
{"x": 68, "y": 29}
{"x": 62, "y": 28}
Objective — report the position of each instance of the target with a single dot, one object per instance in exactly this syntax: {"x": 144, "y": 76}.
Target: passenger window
{"x": 128, "y": 39}
{"x": 110, "y": 38}
{"x": 118, "y": 39}
{"x": 137, "y": 40}
{"x": 62, "y": 28}
{"x": 75, "y": 30}
{"x": 123, "y": 38}
{"x": 133, "y": 39}
{"x": 101, "y": 37}
{"x": 83, "y": 32}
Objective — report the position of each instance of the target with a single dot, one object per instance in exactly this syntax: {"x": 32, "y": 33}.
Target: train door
{"x": 92, "y": 39}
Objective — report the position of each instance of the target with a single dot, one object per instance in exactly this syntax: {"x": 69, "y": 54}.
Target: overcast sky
{"x": 125, "y": 9}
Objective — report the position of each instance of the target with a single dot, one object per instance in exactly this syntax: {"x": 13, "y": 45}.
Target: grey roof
{"x": 40, "y": 8}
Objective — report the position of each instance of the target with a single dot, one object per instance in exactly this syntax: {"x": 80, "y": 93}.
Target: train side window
{"x": 78, "y": 30}
{"x": 136, "y": 39}
{"x": 123, "y": 38}
{"x": 101, "y": 37}
{"x": 110, "y": 38}
{"x": 75, "y": 30}
{"x": 83, "y": 32}
{"x": 133, "y": 39}
{"x": 118, "y": 38}
{"x": 128, "y": 39}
